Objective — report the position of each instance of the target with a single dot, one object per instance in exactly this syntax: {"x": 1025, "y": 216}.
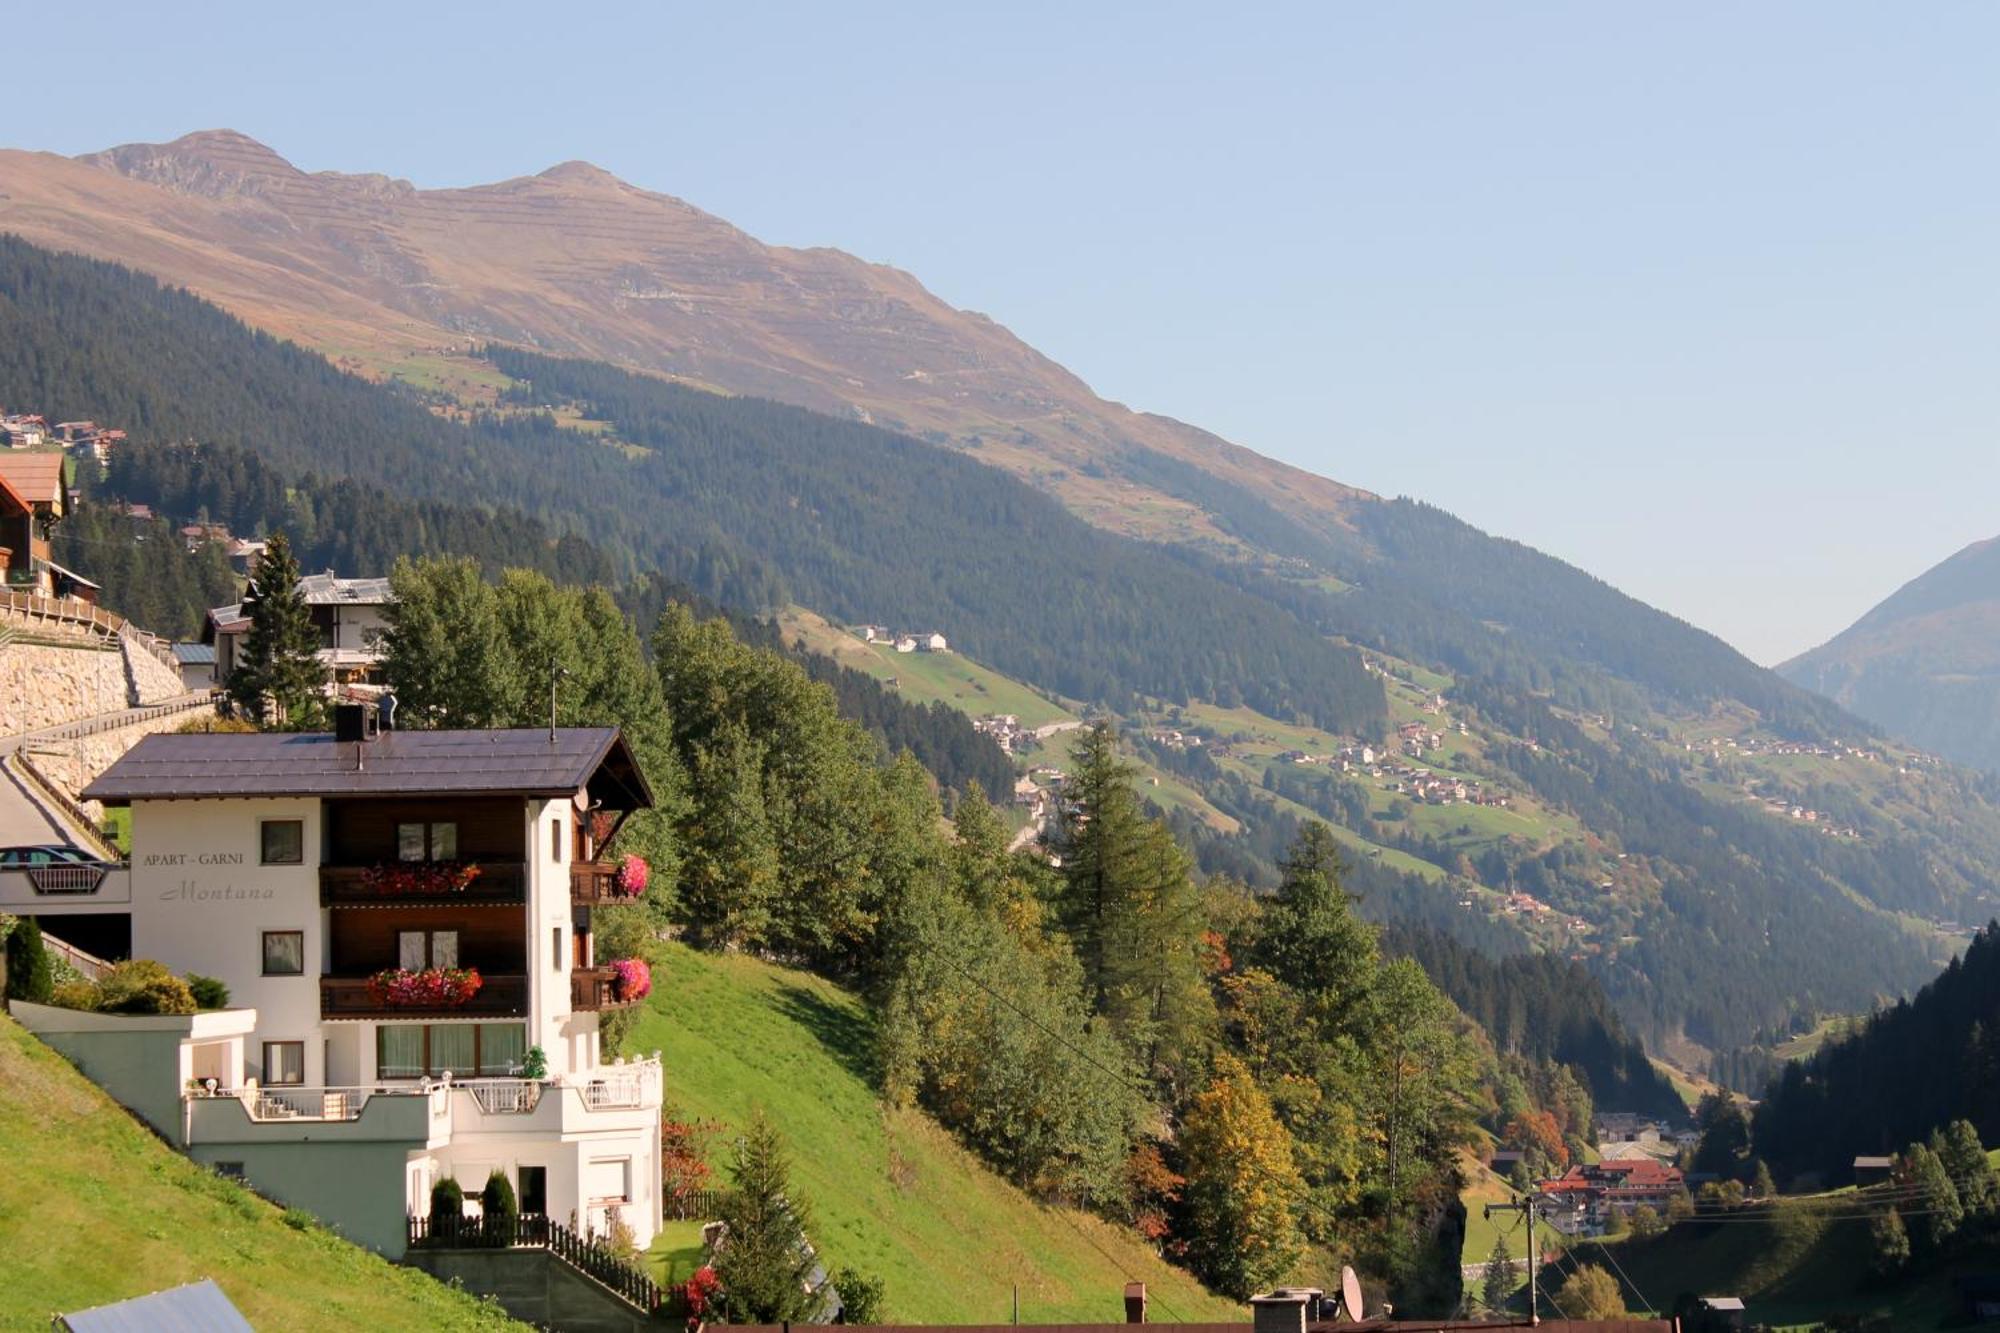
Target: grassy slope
{"x": 949, "y": 678}
{"x": 112, "y": 1213}
{"x": 891, "y": 1193}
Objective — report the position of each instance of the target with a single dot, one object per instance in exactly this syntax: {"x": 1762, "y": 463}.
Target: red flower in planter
{"x": 430, "y": 988}
{"x": 420, "y": 879}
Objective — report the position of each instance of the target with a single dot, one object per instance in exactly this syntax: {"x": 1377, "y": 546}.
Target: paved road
{"x": 23, "y": 819}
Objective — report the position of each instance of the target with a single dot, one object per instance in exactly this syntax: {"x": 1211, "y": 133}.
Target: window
{"x": 284, "y": 953}
{"x": 609, "y": 1180}
{"x": 555, "y": 839}
{"x": 419, "y": 949}
{"x": 555, "y": 948}
{"x": 418, "y": 1050}
{"x": 282, "y": 842}
{"x": 427, "y": 842}
{"x": 284, "y": 1063}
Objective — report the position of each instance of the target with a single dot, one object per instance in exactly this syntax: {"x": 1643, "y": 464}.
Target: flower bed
{"x": 420, "y": 879}
{"x": 630, "y": 880}
{"x": 431, "y": 988}
{"x": 632, "y": 979}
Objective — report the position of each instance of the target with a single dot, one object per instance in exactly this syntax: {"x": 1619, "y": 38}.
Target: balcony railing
{"x": 595, "y": 989}
{"x": 500, "y": 996}
{"x": 350, "y": 886}
{"x": 593, "y": 884}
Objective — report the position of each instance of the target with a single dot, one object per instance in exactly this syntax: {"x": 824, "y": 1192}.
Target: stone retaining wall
{"x": 72, "y": 764}
{"x": 45, "y": 685}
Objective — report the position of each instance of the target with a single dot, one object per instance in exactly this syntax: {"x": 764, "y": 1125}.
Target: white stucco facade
{"x": 304, "y": 1102}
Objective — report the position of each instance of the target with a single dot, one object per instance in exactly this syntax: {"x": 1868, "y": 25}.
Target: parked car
{"x": 46, "y": 854}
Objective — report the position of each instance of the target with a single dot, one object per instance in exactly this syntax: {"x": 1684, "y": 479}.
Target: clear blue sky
{"x": 1701, "y": 298}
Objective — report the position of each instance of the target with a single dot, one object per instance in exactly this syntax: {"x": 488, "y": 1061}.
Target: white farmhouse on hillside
{"x": 345, "y": 887}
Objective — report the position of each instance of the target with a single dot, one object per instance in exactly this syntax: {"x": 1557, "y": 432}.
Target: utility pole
{"x": 556, "y": 673}
{"x": 1527, "y": 1208}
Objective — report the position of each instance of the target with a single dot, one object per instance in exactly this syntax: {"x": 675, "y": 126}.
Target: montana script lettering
{"x": 187, "y": 891}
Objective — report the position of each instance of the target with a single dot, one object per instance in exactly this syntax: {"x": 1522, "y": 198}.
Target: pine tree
{"x": 764, "y": 1262}
{"x": 1100, "y": 830}
{"x": 279, "y": 668}
{"x": 1502, "y": 1276}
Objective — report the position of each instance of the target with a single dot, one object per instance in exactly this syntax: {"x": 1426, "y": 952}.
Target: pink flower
{"x": 630, "y": 881}
{"x": 632, "y": 979}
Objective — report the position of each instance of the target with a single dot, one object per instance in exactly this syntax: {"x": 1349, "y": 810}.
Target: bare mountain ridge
{"x": 574, "y": 261}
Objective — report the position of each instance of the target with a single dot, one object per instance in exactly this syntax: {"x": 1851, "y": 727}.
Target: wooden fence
{"x": 588, "y": 1256}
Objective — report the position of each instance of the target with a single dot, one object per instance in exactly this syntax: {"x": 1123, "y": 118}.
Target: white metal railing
{"x": 266, "y": 1104}
{"x": 635, "y": 1083}
{"x": 505, "y": 1096}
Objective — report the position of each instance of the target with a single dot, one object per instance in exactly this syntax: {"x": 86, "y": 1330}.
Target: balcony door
{"x": 419, "y": 949}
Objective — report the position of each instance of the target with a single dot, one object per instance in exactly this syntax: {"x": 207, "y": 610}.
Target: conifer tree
{"x": 1501, "y": 1278}
{"x": 764, "y": 1262}
{"x": 279, "y": 668}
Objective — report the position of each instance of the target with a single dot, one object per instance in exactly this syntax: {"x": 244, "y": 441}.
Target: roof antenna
{"x": 556, "y": 673}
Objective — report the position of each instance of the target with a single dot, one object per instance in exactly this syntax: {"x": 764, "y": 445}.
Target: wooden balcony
{"x": 595, "y": 990}
{"x": 499, "y": 882}
{"x": 592, "y": 884}
{"x": 500, "y": 996}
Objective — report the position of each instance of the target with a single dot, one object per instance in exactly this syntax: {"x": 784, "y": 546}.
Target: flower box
{"x": 430, "y": 988}
{"x": 631, "y": 979}
{"x": 420, "y": 879}
{"x": 630, "y": 879}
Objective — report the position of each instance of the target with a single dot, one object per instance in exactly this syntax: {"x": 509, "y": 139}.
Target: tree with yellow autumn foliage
{"x": 1240, "y": 1204}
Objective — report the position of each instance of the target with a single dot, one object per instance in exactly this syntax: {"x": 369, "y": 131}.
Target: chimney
{"x": 353, "y": 722}
{"x": 1135, "y": 1302}
{"x": 1315, "y": 1300}
{"x": 1279, "y": 1312}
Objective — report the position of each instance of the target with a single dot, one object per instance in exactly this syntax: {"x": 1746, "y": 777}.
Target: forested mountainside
{"x": 1912, "y": 1069}
{"x": 1645, "y": 815}
{"x": 1925, "y": 663}
{"x": 715, "y": 493}
{"x": 1543, "y": 1008}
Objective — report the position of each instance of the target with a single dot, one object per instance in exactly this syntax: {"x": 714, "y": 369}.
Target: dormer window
{"x": 427, "y": 842}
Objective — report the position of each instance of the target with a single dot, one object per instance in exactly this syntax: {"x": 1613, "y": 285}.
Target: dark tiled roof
{"x": 398, "y": 763}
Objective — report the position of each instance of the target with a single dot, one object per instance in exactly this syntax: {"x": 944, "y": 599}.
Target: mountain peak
{"x": 578, "y": 172}
{"x": 215, "y": 163}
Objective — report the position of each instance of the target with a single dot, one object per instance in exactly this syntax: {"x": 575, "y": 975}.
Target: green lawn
{"x": 96, "y": 1209}
{"x": 890, "y": 1192}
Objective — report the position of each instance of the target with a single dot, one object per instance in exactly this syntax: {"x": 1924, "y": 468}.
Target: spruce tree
{"x": 30, "y": 975}
{"x": 764, "y": 1262}
{"x": 279, "y": 666}
{"x": 1501, "y": 1278}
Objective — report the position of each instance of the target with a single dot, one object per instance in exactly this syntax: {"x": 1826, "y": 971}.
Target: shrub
{"x": 30, "y": 976}
{"x": 82, "y": 995}
{"x": 535, "y": 1064}
{"x": 232, "y": 726}
{"x": 208, "y": 992}
{"x": 447, "y": 1207}
{"x": 860, "y": 1296}
{"x": 142, "y": 986}
{"x": 503, "y": 1211}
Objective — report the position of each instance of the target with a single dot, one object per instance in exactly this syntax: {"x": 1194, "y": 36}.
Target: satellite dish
{"x": 1350, "y": 1292}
